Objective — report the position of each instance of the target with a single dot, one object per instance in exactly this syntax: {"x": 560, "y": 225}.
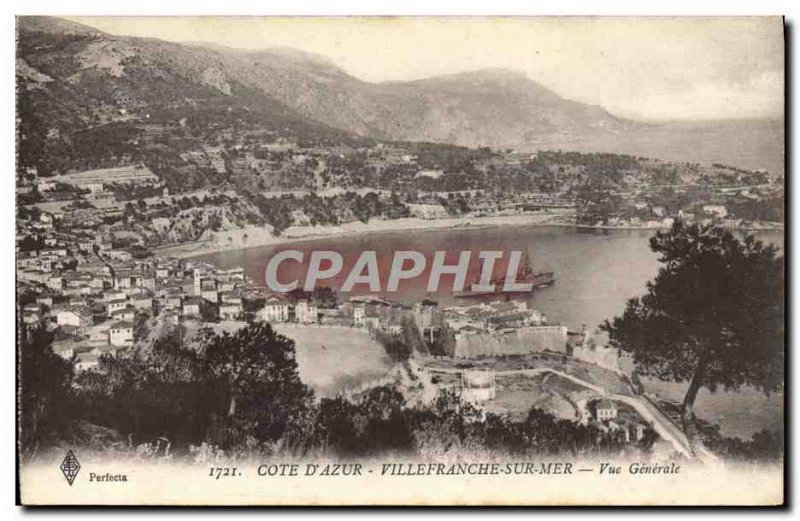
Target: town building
{"x": 121, "y": 334}
{"x": 126, "y": 314}
{"x": 478, "y": 385}
{"x": 117, "y": 305}
{"x": 191, "y": 307}
{"x": 276, "y": 309}
{"x": 359, "y": 315}
{"x": 79, "y": 318}
{"x": 306, "y": 312}
{"x": 605, "y": 410}
{"x": 230, "y": 311}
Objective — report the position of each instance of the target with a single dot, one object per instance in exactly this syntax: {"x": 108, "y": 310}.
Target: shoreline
{"x": 258, "y": 236}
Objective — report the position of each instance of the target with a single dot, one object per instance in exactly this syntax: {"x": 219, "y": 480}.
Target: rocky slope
{"x": 81, "y": 75}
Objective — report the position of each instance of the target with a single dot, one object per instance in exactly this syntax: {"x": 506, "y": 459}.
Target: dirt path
{"x": 663, "y": 426}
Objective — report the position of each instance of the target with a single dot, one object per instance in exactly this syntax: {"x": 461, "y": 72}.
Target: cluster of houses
{"x": 502, "y": 328}
{"x": 93, "y": 295}
{"x": 469, "y": 324}
{"x": 481, "y": 203}
{"x": 610, "y": 418}
{"x": 94, "y": 291}
{"x": 95, "y": 181}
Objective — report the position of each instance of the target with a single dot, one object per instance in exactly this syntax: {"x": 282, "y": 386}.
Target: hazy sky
{"x": 643, "y": 68}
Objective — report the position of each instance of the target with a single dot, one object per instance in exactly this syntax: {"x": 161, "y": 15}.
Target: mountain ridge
{"x": 494, "y": 107}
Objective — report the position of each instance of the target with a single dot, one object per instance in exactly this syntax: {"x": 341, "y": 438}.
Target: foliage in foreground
{"x": 712, "y": 317}
{"x": 242, "y": 394}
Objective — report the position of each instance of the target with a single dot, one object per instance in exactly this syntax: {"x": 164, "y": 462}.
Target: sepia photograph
{"x": 412, "y": 260}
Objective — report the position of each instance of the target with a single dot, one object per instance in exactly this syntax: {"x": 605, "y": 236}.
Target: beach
{"x": 253, "y": 236}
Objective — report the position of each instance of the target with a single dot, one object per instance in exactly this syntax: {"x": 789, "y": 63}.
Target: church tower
{"x": 196, "y": 282}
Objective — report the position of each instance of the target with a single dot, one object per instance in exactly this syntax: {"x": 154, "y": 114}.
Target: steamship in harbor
{"x": 525, "y": 275}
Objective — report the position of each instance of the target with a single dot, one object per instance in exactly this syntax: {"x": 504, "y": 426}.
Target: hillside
{"x": 88, "y": 97}
{"x": 74, "y": 76}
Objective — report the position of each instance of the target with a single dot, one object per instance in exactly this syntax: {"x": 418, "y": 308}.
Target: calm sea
{"x": 597, "y": 271}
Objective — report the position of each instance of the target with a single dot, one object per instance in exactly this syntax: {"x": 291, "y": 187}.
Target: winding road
{"x": 662, "y": 424}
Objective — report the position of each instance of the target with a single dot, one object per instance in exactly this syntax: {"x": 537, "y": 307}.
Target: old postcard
{"x": 400, "y": 261}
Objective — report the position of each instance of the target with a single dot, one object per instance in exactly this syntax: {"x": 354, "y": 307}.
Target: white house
{"x": 124, "y": 315}
{"x": 230, "y": 298}
{"x": 114, "y": 295}
{"x": 77, "y": 317}
{"x": 119, "y": 255}
{"x": 605, "y": 410}
{"x": 44, "y": 185}
{"x": 718, "y": 210}
{"x": 276, "y": 310}
{"x": 98, "y": 335}
{"x": 230, "y": 311}
{"x": 227, "y": 285}
{"x": 121, "y": 334}
{"x": 86, "y": 246}
{"x": 86, "y": 361}
{"x": 149, "y": 282}
{"x": 433, "y": 174}
{"x": 45, "y": 301}
{"x": 209, "y": 294}
{"x": 94, "y": 188}
{"x": 359, "y": 316}
{"x": 306, "y": 312}
{"x": 117, "y": 305}
{"x": 172, "y": 301}
{"x": 191, "y": 307}
{"x": 640, "y": 430}
{"x": 123, "y": 282}
{"x": 56, "y": 283}
{"x": 142, "y": 302}
{"x": 64, "y": 349}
